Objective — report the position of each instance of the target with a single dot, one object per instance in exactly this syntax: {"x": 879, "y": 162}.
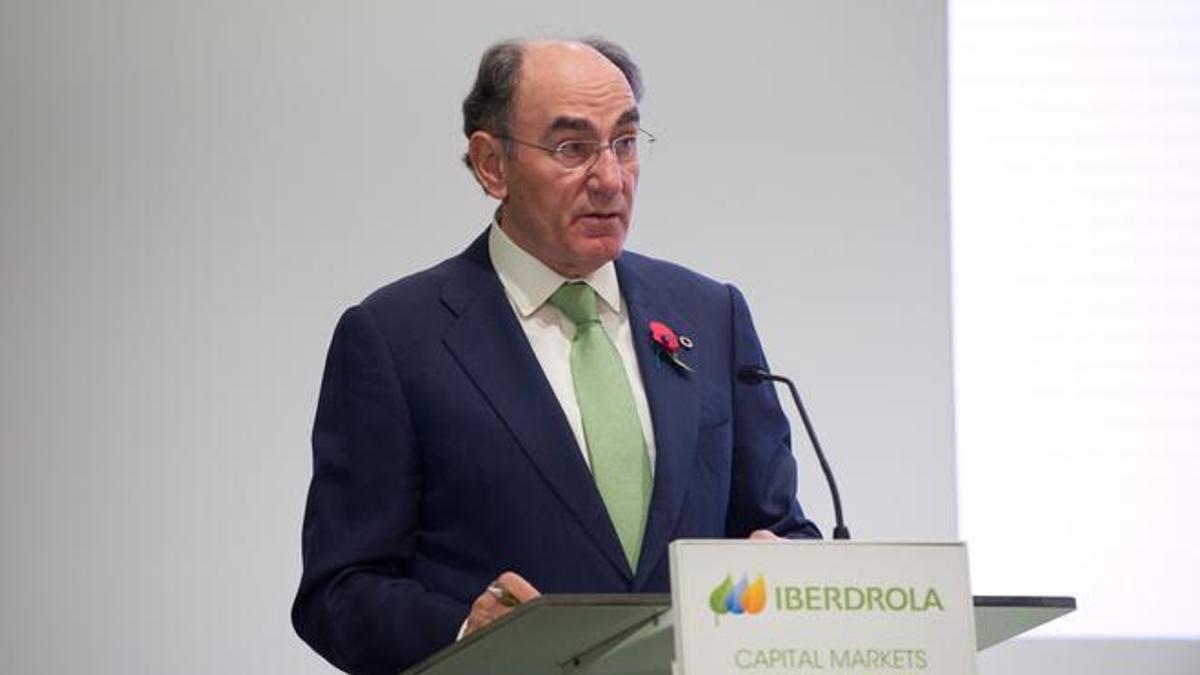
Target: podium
{"x": 633, "y": 635}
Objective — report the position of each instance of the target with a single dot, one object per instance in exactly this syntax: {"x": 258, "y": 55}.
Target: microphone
{"x": 753, "y": 375}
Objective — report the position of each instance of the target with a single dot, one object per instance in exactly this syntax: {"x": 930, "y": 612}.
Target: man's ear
{"x": 487, "y": 161}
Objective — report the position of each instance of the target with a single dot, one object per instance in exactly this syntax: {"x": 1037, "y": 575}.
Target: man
{"x": 488, "y": 430}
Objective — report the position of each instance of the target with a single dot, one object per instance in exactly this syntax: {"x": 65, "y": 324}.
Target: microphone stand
{"x": 756, "y": 375}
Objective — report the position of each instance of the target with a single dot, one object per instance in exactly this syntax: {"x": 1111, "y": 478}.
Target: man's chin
{"x": 607, "y": 247}
{"x": 596, "y": 252}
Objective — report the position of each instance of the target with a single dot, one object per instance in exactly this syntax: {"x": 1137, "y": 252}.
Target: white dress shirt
{"x": 529, "y": 283}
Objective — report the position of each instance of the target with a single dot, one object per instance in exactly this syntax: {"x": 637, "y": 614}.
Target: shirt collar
{"x": 530, "y": 283}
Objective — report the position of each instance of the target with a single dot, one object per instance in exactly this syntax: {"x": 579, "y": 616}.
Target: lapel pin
{"x": 668, "y": 343}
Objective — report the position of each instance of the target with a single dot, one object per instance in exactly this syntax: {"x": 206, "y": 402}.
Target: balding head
{"x": 489, "y": 105}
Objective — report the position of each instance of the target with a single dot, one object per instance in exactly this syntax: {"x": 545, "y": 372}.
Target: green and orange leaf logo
{"x": 743, "y": 597}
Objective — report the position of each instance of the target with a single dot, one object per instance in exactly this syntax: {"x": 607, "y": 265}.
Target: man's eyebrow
{"x": 629, "y": 116}
{"x": 571, "y": 124}
{"x": 564, "y": 123}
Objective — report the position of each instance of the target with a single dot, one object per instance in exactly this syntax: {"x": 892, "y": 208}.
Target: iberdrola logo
{"x": 740, "y": 598}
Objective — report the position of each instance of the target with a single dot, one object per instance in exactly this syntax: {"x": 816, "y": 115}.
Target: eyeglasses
{"x": 574, "y": 154}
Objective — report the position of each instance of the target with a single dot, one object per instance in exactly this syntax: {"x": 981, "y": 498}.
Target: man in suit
{"x": 542, "y": 413}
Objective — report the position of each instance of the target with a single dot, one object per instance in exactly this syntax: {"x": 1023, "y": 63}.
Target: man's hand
{"x": 492, "y": 604}
{"x": 764, "y": 535}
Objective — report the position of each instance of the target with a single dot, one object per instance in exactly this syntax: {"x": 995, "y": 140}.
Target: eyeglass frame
{"x": 597, "y": 148}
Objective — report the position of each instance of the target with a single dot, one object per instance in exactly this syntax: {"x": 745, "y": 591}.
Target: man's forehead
{"x": 557, "y": 77}
{"x": 545, "y": 56}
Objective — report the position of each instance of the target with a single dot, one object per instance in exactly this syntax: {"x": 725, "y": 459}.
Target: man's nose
{"x": 604, "y": 176}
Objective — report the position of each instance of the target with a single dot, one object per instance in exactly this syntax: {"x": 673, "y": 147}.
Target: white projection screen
{"x": 1075, "y": 151}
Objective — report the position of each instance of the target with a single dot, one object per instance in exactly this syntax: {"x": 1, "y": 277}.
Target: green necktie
{"x": 615, "y": 445}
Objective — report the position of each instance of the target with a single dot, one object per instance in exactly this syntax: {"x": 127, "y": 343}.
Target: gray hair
{"x": 489, "y": 105}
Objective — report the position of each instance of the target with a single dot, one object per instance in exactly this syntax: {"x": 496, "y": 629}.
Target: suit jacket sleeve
{"x": 358, "y": 604}
{"x": 763, "y": 471}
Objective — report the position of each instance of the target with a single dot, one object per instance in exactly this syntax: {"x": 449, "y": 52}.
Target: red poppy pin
{"x": 668, "y": 344}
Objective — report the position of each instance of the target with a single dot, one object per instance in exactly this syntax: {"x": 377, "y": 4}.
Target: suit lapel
{"x": 674, "y": 401}
{"x": 489, "y": 344}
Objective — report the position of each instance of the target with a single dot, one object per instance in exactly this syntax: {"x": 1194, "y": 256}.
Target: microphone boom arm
{"x": 756, "y": 375}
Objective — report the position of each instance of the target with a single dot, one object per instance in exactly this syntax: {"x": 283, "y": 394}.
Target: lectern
{"x": 631, "y": 635}
{"x": 635, "y": 634}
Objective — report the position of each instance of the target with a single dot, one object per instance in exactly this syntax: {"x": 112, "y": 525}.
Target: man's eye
{"x": 574, "y": 149}
{"x": 625, "y": 146}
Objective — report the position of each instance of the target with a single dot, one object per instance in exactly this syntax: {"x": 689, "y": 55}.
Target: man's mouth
{"x": 601, "y": 215}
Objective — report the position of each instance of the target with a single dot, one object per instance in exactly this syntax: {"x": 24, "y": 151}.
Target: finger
{"x": 517, "y": 586}
{"x": 484, "y": 610}
{"x": 764, "y": 535}
{"x": 499, "y": 598}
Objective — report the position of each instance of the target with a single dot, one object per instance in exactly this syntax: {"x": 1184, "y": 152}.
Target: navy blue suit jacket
{"x": 441, "y": 458}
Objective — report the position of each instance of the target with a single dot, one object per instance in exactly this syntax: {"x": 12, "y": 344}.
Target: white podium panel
{"x": 793, "y": 607}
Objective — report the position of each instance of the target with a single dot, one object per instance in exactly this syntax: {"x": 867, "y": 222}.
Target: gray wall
{"x": 191, "y": 193}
